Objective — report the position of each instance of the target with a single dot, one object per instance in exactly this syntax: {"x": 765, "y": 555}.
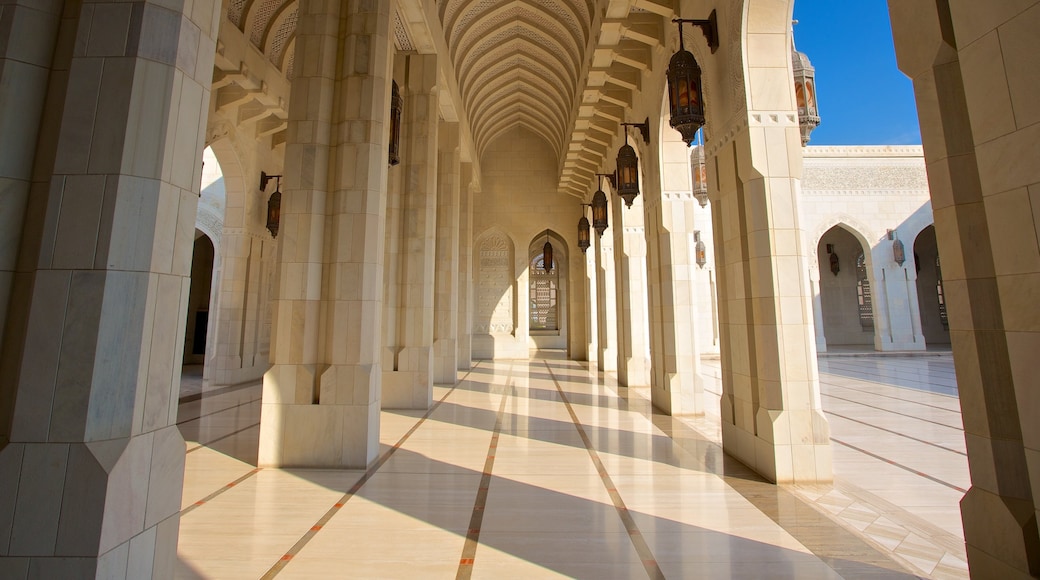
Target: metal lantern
{"x": 274, "y": 203}
{"x": 628, "y": 173}
{"x": 835, "y": 267}
{"x": 547, "y": 254}
{"x": 805, "y": 94}
{"x": 700, "y": 174}
{"x": 685, "y": 97}
{"x": 599, "y": 212}
{"x": 396, "y": 107}
{"x": 898, "y": 250}
{"x": 583, "y": 233}
{"x": 700, "y": 249}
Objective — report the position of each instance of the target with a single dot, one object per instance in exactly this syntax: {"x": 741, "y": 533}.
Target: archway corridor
{"x": 548, "y": 468}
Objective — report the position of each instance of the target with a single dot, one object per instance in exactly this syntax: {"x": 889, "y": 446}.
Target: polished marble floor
{"x": 543, "y": 468}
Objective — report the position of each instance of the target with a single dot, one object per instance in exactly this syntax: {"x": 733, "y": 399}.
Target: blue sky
{"x": 863, "y": 97}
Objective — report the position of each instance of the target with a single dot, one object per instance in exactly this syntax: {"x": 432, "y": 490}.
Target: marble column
{"x": 466, "y": 296}
{"x": 633, "y": 367}
{"x": 971, "y": 66}
{"x": 92, "y": 465}
{"x": 409, "y": 383}
{"x": 606, "y": 301}
{"x": 817, "y": 309}
{"x": 771, "y": 415}
{"x": 446, "y": 275}
{"x": 321, "y": 396}
{"x": 676, "y": 386}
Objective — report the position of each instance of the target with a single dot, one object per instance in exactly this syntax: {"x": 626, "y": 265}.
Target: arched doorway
{"x": 930, "y": 294}
{"x": 546, "y": 313}
{"x": 846, "y": 298}
{"x": 197, "y": 324}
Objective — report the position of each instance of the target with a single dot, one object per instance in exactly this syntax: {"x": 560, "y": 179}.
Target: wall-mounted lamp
{"x": 599, "y": 205}
{"x": 396, "y": 107}
{"x": 584, "y": 236}
{"x": 547, "y": 254}
{"x": 898, "y": 251}
{"x": 628, "y": 164}
{"x": 804, "y": 92}
{"x": 274, "y": 203}
{"x": 700, "y": 174}
{"x": 685, "y": 98}
{"x": 700, "y": 249}
{"x": 835, "y": 268}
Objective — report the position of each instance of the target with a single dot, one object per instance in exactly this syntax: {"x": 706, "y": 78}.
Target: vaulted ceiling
{"x": 564, "y": 69}
{"x": 518, "y": 62}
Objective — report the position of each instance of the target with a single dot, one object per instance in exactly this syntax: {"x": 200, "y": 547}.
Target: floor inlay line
{"x": 216, "y": 392}
{"x": 469, "y": 549}
{"x": 210, "y": 497}
{"x": 900, "y": 466}
{"x": 371, "y": 471}
{"x": 646, "y": 556}
{"x": 895, "y": 412}
{"x": 217, "y": 412}
{"x": 904, "y": 435}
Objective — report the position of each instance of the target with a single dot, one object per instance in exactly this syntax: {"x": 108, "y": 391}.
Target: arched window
{"x": 543, "y": 294}
{"x": 866, "y": 306}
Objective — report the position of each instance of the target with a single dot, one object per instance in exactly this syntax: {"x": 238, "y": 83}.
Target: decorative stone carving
{"x": 494, "y": 311}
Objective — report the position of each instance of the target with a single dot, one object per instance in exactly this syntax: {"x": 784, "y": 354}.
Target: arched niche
{"x": 494, "y": 292}
{"x": 846, "y": 282}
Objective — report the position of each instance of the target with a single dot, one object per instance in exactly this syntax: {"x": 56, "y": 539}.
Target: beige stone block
{"x": 1006, "y": 163}
{"x": 140, "y": 559}
{"x": 986, "y": 89}
{"x": 113, "y": 564}
{"x": 39, "y": 497}
{"x": 1018, "y": 40}
{"x": 1013, "y": 233}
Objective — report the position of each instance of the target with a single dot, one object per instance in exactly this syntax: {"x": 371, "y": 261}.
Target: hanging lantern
{"x": 700, "y": 174}
{"x": 547, "y": 254}
{"x": 805, "y": 93}
{"x": 685, "y": 97}
{"x": 599, "y": 212}
{"x": 834, "y": 260}
{"x": 700, "y": 249}
{"x": 583, "y": 232}
{"x": 628, "y": 173}
{"x": 898, "y": 251}
{"x": 274, "y": 203}
{"x": 396, "y": 107}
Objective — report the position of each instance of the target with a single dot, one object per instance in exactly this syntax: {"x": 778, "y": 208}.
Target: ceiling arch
{"x": 518, "y": 62}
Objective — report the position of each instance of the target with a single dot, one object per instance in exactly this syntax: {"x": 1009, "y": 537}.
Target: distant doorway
{"x": 846, "y": 297}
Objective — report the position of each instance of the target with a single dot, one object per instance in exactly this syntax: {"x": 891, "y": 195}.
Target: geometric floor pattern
{"x": 545, "y": 468}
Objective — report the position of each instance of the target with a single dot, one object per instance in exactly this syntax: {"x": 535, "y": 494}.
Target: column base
{"x": 1000, "y": 534}
{"x": 338, "y": 430}
{"x": 607, "y": 361}
{"x": 682, "y": 394}
{"x": 791, "y": 446}
{"x": 445, "y": 361}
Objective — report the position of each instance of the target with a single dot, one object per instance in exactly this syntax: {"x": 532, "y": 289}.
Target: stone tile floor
{"x": 543, "y": 468}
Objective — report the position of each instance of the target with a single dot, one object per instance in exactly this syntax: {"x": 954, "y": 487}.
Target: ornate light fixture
{"x": 584, "y": 235}
{"x": 804, "y": 92}
{"x": 547, "y": 254}
{"x": 835, "y": 267}
{"x": 701, "y": 249}
{"x": 396, "y": 107}
{"x": 685, "y": 98}
{"x": 599, "y": 206}
{"x": 700, "y": 174}
{"x": 628, "y": 164}
{"x": 898, "y": 251}
{"x": 274, "y": 203}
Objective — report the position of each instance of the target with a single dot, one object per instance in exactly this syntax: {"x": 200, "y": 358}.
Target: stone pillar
{"x": 25, "y": 69}
{"x": 466, "y": 295}
{"x": 591, "y": 300}
{"x": 409, "y": 384}
{"x": 668, "y": 210}
{"x": 446, "y": 288}
{"x": 93, "y": 467}
{"x": 817, "y": 309}
{"x": 971, "y": 71}
{"x": 631, "y": 291}
{"x": 606, "y": 301}
{"x": 771, "y": 415}
{"x": 898, "y": 326}
{"x": 321, "y": 396}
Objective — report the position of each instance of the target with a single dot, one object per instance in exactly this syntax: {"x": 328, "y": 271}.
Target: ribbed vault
{"x": 518, "y": 63}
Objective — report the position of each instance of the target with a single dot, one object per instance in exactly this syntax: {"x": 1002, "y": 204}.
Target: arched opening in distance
{"x": 930, "y": 293}
{"x": 846, "y": 297}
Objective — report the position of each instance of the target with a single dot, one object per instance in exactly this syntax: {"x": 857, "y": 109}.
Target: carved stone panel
{"x": 494, "y": 312}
